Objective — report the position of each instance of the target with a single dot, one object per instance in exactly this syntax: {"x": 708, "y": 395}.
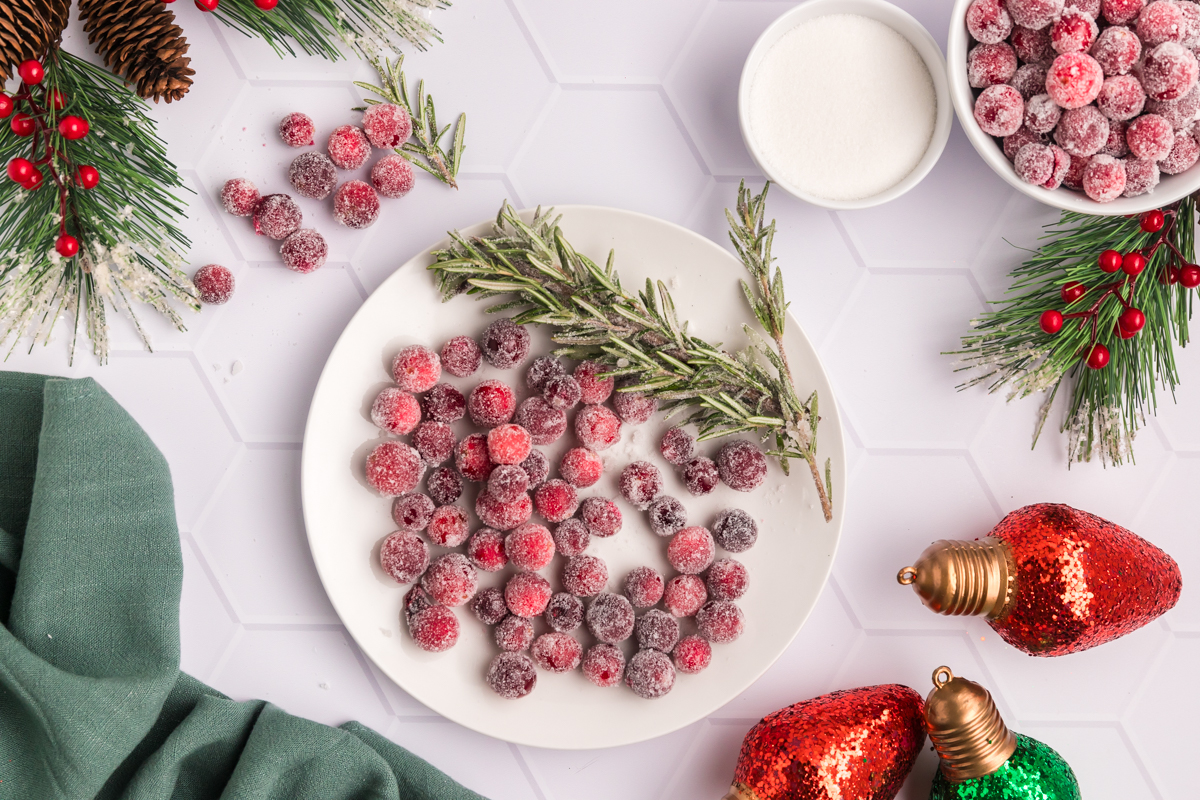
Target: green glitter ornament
{"x": 981, "y": 759}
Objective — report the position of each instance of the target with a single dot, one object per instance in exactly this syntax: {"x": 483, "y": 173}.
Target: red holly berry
{"x": 1169, "y": 276}
{"x": 1133, "y": 263}
{"x": 6, "y": 105}
{"x": 1073, "y": 291}
{"x": 1051, "y": 321}
{"x": 1121, "y": 332}
{"x": 1189, "y": 276}
{"x": 206, "y": 5}
{"x": 87, "y": 176}
{"x": 1152, "y": 221}
{"x": 1098, "y": 357}
{"x": 34, "y": 181}
{"x": 20, "y": 169}
{"x": 57, "y": 99}
{"x": 1132, "y": 320}
{"x": 266, "y": 5}
{"x": 66, "y": 245}
{"x": 22, "y": 124}
{"x": 1110, "y": 261}
{"x": 31, "y": 72}
{"x": 73, "y": 127}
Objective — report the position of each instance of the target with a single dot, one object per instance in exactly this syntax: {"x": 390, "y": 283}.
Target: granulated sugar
{"x": 842, "y": 107}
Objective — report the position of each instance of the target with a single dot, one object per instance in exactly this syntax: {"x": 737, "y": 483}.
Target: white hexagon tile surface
{"x": 632, "y": 104}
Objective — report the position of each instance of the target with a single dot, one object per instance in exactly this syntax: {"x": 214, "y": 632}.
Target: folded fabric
{"x": 92, "y": 702}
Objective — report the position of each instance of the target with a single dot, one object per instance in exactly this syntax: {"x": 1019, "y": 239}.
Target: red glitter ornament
{"x": 859, "y": 744}
{"x": 1052, "y": 579}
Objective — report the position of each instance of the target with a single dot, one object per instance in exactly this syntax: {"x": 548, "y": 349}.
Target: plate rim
{"x": 839, "y": 470}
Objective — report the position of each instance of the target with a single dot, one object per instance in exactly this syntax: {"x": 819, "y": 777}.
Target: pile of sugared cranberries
{"x": 1098, "y": 97}
{"x": 488, "y": 433}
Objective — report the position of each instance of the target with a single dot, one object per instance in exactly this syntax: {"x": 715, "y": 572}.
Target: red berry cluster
{"x": 36, "y": 110}
{"x": 1132, "y": 264}
{"x": 502, "y": 457}
{"x": 211, "y": 5}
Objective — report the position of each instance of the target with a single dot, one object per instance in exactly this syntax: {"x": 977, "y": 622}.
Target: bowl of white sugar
{"x": 845, "y": 103}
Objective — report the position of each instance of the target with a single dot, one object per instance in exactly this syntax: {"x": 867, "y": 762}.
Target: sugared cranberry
{"x": 542, "y": 370}
{"x": 643, "y": 586}
{"x": 684, "y": 595}
{"x": 404, "y": 555}
{"x": 387, "y": 126}
{"x": 513, "y": 634}
{"x": 530, "y": 546}
{"x": 595, "y": 385}
{"x": 564, "y": 612}
{"x": 507, "y": 482}
{"x": 491, "y": 403}
{"x": 348, "y": 147}
{"x": 451, "y": 579}
{"x": 500, "y": 515}
{"x": 650, "y": 674}
{"x": 584, "y": 575}
{"x": 461, "y": 356}
{"x": 448, "y": 526}
{"x": 602, "y": 516}
{"x": 988, "y": 21}
{"x": 668, "y": 516}
{"x": 1042, "y": 114}
{"x": 677, "y": 446}
{"x": 416, "y": 601}
{"x": 312, "y": 175}
{"x": 597, "y": 427}
{"x": 571, "y": 537}
{"x": 990, "y": 64}
{"x": 545, "y": 423}
{"x": 435, "y": 629}
{"x": 1116, "y": 145}
{"x": 444, "y": 486}
{"x": 1032, "y": 46}
{"x": 444, "y": 403}
{"x": 356, "y": 205}
{"x": 1104, "y": 178}
{"x": 727, "y": 579}
{"x": 416, "y": 368}
{"x": 412, "y": 511}
{"x": 488, "y": 606}
{"x": 1150, "y": 137}
{"x": 394, "y": 468}
{"x": 537, "y": 467}
{"x": 512, "y": 675}
{"x": 1160, "y": 21}
{"x": 1023, "y": 136}
{"x": 277, "y": 216}
{"x": 508, "y": 444}
{"x": 742, "y": 466}
{"x": 692, "y": 654}
{"x": 1118, "y": 12}
{"x": 527, "y": 594}
{"x": 1082, "y": 131}
{"x": 1168, "y": 71}
{"x": 1116, "y": 50}
{"x": 1121, "y": 98}
{"x": 701, "y": 476}
{"x": 657, "y": 630}
{"x": 504, "y": 343}
{"x": 720, "y": 621}
{"x": 239, "y": 197}
{"x": 1029, "y": 80}
{"x": 1181, "y": 112}
{"x": 735, "y": 530}
{"x": 556, "y": 652}
{"x": 562, "y": 392}
{"x": 691, "y": 550}
{"x": 1184, "y": 153}
{"x": 485, "y": 548}
{"x": 581, "y": 467}
{"x": 304, "y": 251}
{"x": 1035, "y": 14}
{"x": 640, "y": 483}
{"x": 1073, "y": 32}
{"x": 395, "y": 411}
{"x": 297, "y": 129}
{"x": 556, "y": 500}
{"x": 1074, "y": 80}
{"x": 392, "y": 176}
{"x": 610, "y": 618}
{"x": 1140, "y": 177}
{"x": 634, "y": 408}
{"x": 604, "y": 665}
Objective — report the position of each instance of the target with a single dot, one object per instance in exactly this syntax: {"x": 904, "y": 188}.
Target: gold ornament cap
{"x": 965, "y": 727}
{"x": 962, "y": 577}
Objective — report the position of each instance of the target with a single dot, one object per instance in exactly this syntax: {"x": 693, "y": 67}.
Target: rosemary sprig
{"x": 639, "y": 335}
{"x": 1008, "y": 348}
{"x": 424, "y": 147}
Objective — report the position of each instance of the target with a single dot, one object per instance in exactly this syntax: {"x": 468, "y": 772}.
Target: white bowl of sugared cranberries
{"x": 1084, "y": 105}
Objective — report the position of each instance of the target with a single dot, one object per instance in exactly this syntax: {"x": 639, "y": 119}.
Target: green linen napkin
{"x": 92, "y": 702}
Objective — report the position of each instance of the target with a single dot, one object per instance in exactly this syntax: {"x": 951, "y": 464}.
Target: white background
{"x": 632, "y": 104}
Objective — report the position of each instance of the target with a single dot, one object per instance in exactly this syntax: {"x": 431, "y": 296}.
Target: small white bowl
{"x": 1169, "y": 189}
{"x": 899, "y": 21}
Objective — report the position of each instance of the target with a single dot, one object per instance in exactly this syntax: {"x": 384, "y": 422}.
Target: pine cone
{"x": 27, "y": 30}
{"x": 141, "y": 43}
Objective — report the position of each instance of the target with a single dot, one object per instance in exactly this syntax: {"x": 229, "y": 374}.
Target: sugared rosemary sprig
{"x": 424, "y": 147}
{"x": 640, "y": 337}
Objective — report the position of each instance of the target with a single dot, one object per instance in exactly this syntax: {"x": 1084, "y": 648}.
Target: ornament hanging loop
{"x": 906, "y": 576}
{"x": 942, "y": 676}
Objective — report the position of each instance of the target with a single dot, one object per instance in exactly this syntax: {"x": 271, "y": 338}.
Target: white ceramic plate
{"x": 346, "y": 521}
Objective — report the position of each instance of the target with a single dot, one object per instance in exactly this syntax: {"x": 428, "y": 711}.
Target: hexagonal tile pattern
{"x": 630, "y": 140}
{"x": 634, "y": 105}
